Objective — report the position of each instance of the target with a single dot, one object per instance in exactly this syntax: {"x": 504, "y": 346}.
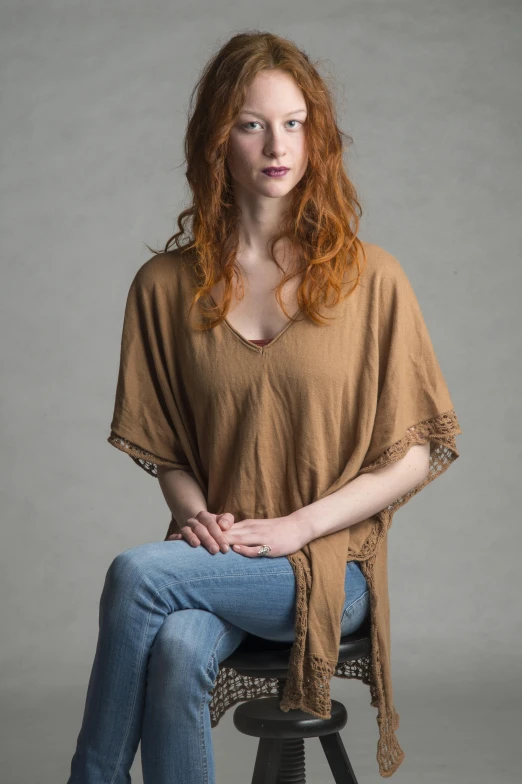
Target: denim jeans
{"x": 168, "y": 614}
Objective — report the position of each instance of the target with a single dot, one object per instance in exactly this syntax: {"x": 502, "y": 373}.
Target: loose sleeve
{"x": 146, "y": 423}
{"x": 413, "y": 403}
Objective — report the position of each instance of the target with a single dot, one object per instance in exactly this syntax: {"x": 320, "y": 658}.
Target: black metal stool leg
{"x": 267, "y": 761}
{"x": 338, "y": 758}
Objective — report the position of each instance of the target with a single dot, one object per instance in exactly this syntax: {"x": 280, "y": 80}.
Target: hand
{"x": 205, "y": 528}
{"x": 283, "y": 534}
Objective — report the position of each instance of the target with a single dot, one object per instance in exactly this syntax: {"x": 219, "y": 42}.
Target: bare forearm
{"x": 182, "y": 493}
{"x": 365, "y": 495}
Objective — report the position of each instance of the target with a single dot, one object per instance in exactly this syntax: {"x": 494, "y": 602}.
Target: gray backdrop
{"x": 94, "y": 102}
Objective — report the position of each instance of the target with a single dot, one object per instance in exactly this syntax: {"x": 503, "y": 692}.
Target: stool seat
{"x": 281, "y": 754}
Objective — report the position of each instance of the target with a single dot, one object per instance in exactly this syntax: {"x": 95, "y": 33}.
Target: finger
{"x": 207, "y": 538}
{"x": 189, "y": 536}
{"x": 219, "y": 536}
{"x": 245, "y": 526}
{"x": 174, "y": 536}
{"x": 226, "y": 520}
{"x": 250, "y": 552}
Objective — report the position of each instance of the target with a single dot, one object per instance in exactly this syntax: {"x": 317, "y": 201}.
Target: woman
{"x": 282, "y": 444}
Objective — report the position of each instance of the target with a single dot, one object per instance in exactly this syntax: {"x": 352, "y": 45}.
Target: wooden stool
{"x": 280, "y": 755}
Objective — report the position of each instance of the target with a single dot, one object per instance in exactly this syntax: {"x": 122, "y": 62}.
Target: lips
{"x": 275, "y": 169}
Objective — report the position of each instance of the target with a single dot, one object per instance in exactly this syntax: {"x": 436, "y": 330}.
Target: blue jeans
{"x": 168, "y": 614}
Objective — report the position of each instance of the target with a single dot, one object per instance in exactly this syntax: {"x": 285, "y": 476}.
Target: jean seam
{"x": 202, "y": 749}
{"x": 129, "y": 722}
{"x": 219, "y": 577}
{"x": 158, "y": 591}
{"x": 352, "y": 604}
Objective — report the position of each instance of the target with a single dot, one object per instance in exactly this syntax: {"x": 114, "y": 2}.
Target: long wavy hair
{"x": 322, "y": 220}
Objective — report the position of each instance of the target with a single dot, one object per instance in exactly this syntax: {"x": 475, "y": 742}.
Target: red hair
{"x": 323, "y": 219}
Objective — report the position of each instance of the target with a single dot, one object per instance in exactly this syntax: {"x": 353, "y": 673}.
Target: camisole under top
{"x": 261, "y": 342}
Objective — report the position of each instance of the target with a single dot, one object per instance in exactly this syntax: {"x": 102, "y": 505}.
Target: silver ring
{"x": 264, "y": 549}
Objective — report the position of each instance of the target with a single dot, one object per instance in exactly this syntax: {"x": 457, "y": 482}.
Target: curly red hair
{"x": 323, "y": 219}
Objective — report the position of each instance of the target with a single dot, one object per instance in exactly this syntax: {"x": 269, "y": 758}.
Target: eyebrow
{"x": 255, "y": 114}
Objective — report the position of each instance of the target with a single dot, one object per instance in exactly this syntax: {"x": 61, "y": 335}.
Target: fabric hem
{"x": 141, "y": 457}
{"x": 307, "y": 686}
{"x": 440, "y": 431}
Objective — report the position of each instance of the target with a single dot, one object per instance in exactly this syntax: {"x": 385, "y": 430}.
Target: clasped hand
{"x": 219, "y": 531}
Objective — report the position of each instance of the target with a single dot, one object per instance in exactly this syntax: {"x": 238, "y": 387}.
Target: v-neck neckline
{"x": 255, "y": 346}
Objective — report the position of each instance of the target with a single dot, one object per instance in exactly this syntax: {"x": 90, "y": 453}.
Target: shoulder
{"x": 160, "y": 271}
{"x": 161, "y": 285}
{"x": 164, "y": 280}
{"x": 388, "y": 287}
{"x": 381, "y": 264}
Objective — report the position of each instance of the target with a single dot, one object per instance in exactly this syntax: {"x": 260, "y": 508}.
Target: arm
{"x": 365, "y": 495}
{"x": 182, "y": 493}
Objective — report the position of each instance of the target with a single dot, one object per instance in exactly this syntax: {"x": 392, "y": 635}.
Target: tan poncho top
{"x": 268, "y": 429}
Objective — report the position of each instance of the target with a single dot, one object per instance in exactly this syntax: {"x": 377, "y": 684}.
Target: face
{"x": 270, "y": 131}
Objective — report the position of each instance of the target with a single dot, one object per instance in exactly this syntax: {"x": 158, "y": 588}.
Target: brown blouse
{"x": 289, "y": 421}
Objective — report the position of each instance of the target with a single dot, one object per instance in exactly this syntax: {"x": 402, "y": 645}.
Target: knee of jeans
{"x": 175, "y": 640}
{"x": 186, "y": 643}
{"x": 126, "y": 568}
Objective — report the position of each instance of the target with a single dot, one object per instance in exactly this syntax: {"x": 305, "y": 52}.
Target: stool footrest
{"x": 263, "y": 718}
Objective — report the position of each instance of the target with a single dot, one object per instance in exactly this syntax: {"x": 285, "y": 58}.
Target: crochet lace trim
{"x": 307, "y": 686}
{"x": 141, "y": 457}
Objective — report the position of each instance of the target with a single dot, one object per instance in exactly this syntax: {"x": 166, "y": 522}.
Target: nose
{"x": 274, "y": 144}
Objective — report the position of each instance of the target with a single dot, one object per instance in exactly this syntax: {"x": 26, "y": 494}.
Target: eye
{"x": 256, "y": 122}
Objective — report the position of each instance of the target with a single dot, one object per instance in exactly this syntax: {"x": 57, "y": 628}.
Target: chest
{"x": 258, "y": 315}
